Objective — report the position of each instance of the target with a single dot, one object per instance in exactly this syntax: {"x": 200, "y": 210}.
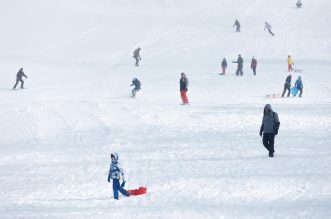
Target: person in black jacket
{"x": 240, "y": 65}
{"x": 237, "y": 24}
{"x": 269, "y": 128}
{"x": 20, "y": 74}
{"x": 224, "y": 66}
{"x": 183, "y": 84}
{"x": 137, "y": 86}
{"x": 136, "y": 56}
{"x": 287, "y": 85}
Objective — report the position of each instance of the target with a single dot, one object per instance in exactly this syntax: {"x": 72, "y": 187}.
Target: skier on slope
{"x": 290, "y": 63}
{"x": 137, "y": 86}
{"x": 299, "y": 85}
{"x": 287, "y": 86}
{"x": 116, "y": 173}
{"x": 269, "y": 128}
{"x": 237, "y": 24}
{"x": 20, "y": 74}
{"x": 240, "y": 65}
{"x": 183, "y": 85}
{"x": 224, "y": 66}
{"x": 268, "y": 27}
{"x": 254, "y": 65}
{"x": 299, "y": 4}
{"x": 136, "y": 56}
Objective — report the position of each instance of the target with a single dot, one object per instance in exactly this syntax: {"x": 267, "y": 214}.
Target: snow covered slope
{"x": 205, "y": 160}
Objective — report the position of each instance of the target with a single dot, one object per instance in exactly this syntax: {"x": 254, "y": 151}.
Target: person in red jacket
{"x": 253, "y": 65}
{"x": 183, "y": 84}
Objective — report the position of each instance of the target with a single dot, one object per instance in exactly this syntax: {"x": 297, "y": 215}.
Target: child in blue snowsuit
{"x": 299, "y": 85}
{"x": 115, "y": 173}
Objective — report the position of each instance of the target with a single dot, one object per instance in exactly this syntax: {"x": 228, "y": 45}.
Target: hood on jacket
{"x": 299, "y": 78}
{"x": 267, "y": 106}
{"x": 116, "y": 156}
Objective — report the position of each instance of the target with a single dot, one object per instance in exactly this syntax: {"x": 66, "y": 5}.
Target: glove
{"x": 261, "y": 134}
{"x": 123, "y": 184}
{"x": 276, "y": 132}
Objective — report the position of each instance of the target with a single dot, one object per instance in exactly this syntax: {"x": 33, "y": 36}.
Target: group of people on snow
{"x": 266, "y": 27}
{"x": 240, "y": 65}
{"x": 287, "y": 86}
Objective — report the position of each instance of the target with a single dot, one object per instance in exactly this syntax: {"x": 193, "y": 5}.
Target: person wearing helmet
{"x": 269, "y": 128}
{"x": 136, "y": 56}
{"x": 20, "y": 74}
{"x": 115, "y": 174}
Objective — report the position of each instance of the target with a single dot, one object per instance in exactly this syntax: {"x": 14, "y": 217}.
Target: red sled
{"x": 140, "y": 191}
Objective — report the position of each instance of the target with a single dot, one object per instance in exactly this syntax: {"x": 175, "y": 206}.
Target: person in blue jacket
{"x": 116, "y": 173}
{"x": 299, "y": 85}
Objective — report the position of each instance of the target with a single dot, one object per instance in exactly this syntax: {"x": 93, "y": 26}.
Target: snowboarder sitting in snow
{"x": 237, "y": 24}
{"x": 137, "y": 85}
{"x": 269, "y": 128}
{"x": 20, "y": 74}
{"x": 224, "y": 66}
{"x": 268, "y": 27}
{"x": 240, "y": 62}
{"x": 115, "y": 173}
{"x": 299, "y": 85}
{"x": 136, "y": 56}
{"x": 299, "y": 4}
{"x": 287, "y": 86}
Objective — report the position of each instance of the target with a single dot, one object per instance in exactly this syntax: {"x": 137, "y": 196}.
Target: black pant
{"x": 270, "y": 32}
{"x": 19, "y": 80}
{"x": 137, "y": 60}
{"x": 286, "y": 87}
{"x": 268, "y": 142}
{"x": 134, "y": 91}
{"x": 238, "y": 29}
{"x": 254, "y": 70}
{"x": 301, "y": 90}
{"x": 239, "y": 71}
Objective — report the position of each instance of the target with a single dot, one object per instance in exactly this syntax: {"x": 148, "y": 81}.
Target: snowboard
{"x": 272, "y": 96}
{"x": 140, "y": 191}
{"x": 294, "y": 91}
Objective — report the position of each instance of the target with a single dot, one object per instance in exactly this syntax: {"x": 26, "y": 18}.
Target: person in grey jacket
{"x": 269, "y": 128}
{"x": 20, "y": 74}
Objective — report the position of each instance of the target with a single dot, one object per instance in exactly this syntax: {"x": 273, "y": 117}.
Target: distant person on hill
{"x": 240, "y": 65}
{"x": 116, "y": 173}
{"x": 237, "y": 24}
{"x": 299, "y": 85}
{"x": 20, "y": 74}
{"x": 137, "y": 86}
{"x": 269, "y": 128}
{"x": 299, "y": 4}
{"x": 224, "y": 66}
{"x": 268, "y": 27}
{"x": 290, "y": 63}
{"x": 136, "y": 56}
{"x": 287, "y": 86}
{"x": 253, "y": 65}
{"x": 183, "y": 85}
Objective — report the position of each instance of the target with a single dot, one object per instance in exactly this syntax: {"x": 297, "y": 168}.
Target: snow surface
{"x": 205, "y": 160}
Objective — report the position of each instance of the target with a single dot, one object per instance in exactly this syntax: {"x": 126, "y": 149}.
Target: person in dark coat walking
{"x": 253, "y": 65}
{"x": 299, "y": 4}
{"x": 237, "y": 24}
{"x": 240, "y": 65}
{"x": 183, "y": 85}
{"x": 269, "y": 128}
{"x": 224, "y": 66}
{"x": 299, "y": 85}
{"x": 136, "y": 56}
{"x": 268, "y": 27}
{"x": 287, "y": 86}
{"x": 116, "y": 173}
{"x": 20, "y": 74}
{"x": 137, "y": 86}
